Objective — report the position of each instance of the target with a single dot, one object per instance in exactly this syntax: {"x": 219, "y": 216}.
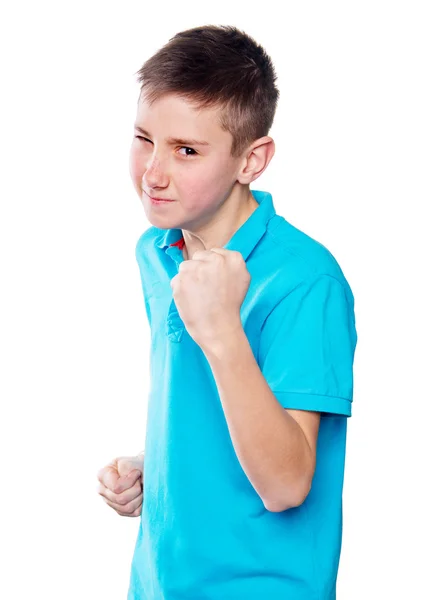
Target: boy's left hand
{"x": 208, "y": 291}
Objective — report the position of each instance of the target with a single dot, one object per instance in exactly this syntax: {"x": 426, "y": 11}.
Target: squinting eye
{"x": 139, "y": 137}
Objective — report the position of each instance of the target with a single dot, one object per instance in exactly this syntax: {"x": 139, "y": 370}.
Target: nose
{"x": 155, "y": 175}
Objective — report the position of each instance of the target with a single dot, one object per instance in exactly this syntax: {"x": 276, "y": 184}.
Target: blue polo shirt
{"x": 204, "y": 532}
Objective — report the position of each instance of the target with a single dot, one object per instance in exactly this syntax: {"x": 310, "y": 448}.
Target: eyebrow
{"x": 173, "y": 140}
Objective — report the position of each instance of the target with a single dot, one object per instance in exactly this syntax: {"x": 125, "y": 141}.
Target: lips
{"x": 159, "y": 199}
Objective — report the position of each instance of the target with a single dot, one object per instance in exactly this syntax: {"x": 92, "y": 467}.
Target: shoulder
{"x": 300, "y": 258}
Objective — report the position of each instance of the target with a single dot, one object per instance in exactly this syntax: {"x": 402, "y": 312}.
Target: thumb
{"x": 127, "y": 481}
{"x": 110, "y": 477}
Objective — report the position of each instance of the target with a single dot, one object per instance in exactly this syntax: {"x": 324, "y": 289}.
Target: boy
{"x": 252, "y": 345}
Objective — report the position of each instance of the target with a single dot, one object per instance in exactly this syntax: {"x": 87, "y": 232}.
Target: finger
{"x": 128, "y": 509}
{"x": 126, "y": 482}
{"x": 198, "y": 255}
{"x": 124, "y": 497}
{"x": 223, "y": 251}
{"x": 108, "y": 476}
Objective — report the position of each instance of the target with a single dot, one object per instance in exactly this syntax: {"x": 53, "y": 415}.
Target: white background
{"x": 350, "y": 170}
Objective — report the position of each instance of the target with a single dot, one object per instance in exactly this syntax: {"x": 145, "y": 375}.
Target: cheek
{"x": 198, "y": 195}
{"x": 202, "y": 186}
{"x": 136, "y": 169}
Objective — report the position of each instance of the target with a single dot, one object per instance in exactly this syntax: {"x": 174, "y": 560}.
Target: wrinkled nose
{"x": 155, "y": 175}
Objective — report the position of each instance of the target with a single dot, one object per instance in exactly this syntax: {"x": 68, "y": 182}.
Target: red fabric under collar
{"x": 180, "y": 244}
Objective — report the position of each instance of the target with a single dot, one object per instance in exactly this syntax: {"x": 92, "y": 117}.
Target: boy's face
{"x": 197, "y": 178}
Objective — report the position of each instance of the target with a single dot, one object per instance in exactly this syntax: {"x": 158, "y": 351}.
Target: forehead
{"x": 172, "y": 115}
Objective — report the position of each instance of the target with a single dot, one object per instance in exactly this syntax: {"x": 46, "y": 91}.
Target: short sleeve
{"x": 307, "y": 347}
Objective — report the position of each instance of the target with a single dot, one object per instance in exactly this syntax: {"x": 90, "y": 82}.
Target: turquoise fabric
{"x": 204, "y": 532}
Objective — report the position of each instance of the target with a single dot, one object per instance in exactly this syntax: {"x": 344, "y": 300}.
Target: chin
{"x": 161, "y": 221}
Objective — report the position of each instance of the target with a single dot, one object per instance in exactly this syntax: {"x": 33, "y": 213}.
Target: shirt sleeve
{"x": 307, "y": 347}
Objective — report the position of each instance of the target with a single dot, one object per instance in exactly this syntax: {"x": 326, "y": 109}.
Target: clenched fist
{"x": 121, "y": 484}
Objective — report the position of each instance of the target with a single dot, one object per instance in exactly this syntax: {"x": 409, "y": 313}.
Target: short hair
{"x": 217, "y": 66}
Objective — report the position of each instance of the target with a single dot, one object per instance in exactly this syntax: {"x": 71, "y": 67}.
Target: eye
{"x": 191, "y": 150}
{"x": 194, "y": 153}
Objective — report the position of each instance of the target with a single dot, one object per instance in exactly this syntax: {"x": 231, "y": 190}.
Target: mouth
{"x": 159, "y": 200}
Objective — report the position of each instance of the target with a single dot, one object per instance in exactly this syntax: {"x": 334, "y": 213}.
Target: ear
{"x": 256, "y": 160}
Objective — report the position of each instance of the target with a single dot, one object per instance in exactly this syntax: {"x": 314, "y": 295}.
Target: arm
{"x": 276, "y": 451}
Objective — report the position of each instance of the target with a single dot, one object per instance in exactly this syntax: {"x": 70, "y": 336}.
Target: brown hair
{"x": 217, "y": 66}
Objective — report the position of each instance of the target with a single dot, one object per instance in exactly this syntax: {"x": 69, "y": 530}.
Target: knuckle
{"x": 108, "y": 502}
{"x": 121, "y": 500}
{"x": 130, "y": 508}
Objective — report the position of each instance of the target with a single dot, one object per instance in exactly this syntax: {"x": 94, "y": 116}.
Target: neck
{"x": 229, "y": 218}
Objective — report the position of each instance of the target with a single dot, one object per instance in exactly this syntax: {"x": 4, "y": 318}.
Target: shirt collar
{"x": 245, "y": 238}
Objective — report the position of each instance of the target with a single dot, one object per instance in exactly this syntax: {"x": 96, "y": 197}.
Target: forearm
{"x": 269, "y": 443}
